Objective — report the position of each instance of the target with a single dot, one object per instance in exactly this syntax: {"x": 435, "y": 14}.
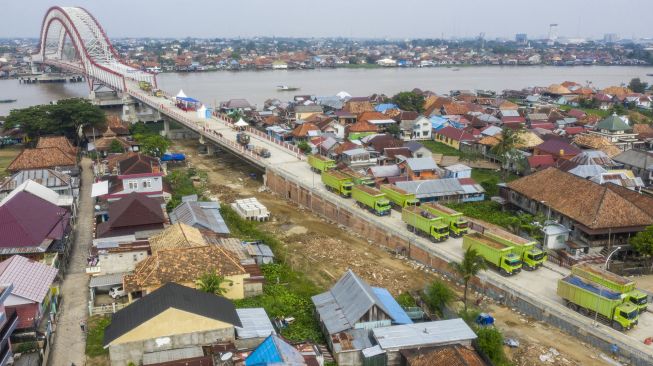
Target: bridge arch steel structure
{"x": 97, "y": 59}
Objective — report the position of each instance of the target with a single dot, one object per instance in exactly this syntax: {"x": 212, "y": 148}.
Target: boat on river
{"x": 8, "y": 100}
{"x": 286, "y": 88}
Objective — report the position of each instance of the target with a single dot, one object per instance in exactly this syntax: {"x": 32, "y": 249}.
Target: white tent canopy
{"x": 241, "y": 123}
{"x": 201, "y": 112}
{"x": 181, "y": 94}
{"x": 343, "y": 95}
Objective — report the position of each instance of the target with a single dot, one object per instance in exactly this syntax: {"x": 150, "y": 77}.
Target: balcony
{"x": 9, "y": 326}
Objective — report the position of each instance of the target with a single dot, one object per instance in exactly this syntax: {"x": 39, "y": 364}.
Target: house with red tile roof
{"x": 452, "y": 136}
{"x": 42, "y": 158}
{"x": 539, "y": 162}
{"x": 33, "y": 296}
{"x": 305, "y": 131}
{"x": 136, "y": 173}
{"x": 557, "y": 148}
{"x": 32, "y": 225}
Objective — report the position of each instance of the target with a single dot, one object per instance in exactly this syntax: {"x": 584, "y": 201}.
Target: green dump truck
{"x": 496, "y": 253}
{"x": 337, "y": 182}
{"x": 531, "y": 256}
{"x": 358, "y": 178}
{"x": 320, "y": 163}
{"x": 398, "y": 197}
{"x": 144, "y": 85}
{"x": 592, "y": 299}
{"x": 425, "y": 223}
{"x": 457, "y": 224}
{"x": 613, "y": 282}
{"x": 371, "y": 199}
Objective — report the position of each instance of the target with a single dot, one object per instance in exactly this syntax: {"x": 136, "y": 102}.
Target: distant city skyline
{"x": 353, "y": 19}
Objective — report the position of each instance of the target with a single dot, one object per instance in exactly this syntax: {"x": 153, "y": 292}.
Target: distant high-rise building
{"x": 553, "y": 34}
{"x": 610, "y": 37}
{"x": 521, "y": 38}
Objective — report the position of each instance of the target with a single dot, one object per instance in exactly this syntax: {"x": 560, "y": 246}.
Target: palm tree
{"x": 505, "y": 149}
{"x": 470, "y": 266}
{"x": 211, "y": 282}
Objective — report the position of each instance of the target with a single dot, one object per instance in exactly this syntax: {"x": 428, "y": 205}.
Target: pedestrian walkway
{"x": 69, "y": 342}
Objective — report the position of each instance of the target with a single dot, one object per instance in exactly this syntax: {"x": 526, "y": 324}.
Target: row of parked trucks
{"x": 590, "y": 290}
{"x": 608, "y": 297}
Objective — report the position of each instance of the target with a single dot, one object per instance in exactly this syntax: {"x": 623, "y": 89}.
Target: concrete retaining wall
{"x": 537, "y": 308}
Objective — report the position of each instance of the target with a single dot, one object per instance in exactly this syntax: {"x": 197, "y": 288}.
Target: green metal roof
{"x": 613, "y": 123}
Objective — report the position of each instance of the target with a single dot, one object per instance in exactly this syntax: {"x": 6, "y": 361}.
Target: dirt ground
{"x": 324, "y": 251}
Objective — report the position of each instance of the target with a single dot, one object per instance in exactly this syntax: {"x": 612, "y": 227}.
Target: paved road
{"x": 540, "y": 285}
{"x": 69, "y": 343}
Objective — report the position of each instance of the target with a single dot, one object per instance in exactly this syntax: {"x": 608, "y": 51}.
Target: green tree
{"x": 490, "y": 342}
{"x": 438, "y": 296}
{"x": 409, "y": 101}
{"x": 154, "y": 145}
{"x": 406, "y": 300}
{"x": 305, "y": 147}
{"x": 67, "y": 118}
{"x": 505, "y": 150}
{"x": 642, "y": 242}
{"x": 637, "y": 85}
{"x": 212, "y": 283}
{"x": 116, "y": 147}
{"x": 470, "y": 266}
{"x": 394, "y": 130}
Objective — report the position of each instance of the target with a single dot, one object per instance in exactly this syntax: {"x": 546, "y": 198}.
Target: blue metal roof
{"x": 273, "y": 351}
{"x": 384, "y": 107}
{"x": 397, "y": 313}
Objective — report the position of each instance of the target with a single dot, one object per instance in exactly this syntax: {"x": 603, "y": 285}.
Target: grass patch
{"x": 7, "y": 155}
{"x": 95, "y": 336}
{"x": 440, "y": 148}
{"x": 286, "y": 293}
{"x": 487, "y": 211}
{"x": 489, "y": 178}
{"x": 594, "y": 111}
{"x": 182, "y": 184}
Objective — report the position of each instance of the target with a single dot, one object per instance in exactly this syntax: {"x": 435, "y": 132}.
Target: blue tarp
{"x": 384, "y": 107}
{"x": 272, "y": 351}
{"x": 595, "y": 289}
{"x": 173, "y": 157}
{"x": 397, "y": 313}
{"x": 188, "y": 100}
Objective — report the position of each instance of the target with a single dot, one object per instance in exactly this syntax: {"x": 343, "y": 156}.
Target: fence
{"x": 105, "y": 308}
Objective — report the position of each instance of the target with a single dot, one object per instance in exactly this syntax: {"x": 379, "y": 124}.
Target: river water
{"x": 257, "y": 86}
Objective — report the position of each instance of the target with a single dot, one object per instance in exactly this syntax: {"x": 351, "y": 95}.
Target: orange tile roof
{"x": 46, "y": 157}
{"x": 303, "y": 129}
{"x": 593, "y": 205}
{"x": 184, "y": 265}
{"x": 363, "y": 126}
{"x": 60, "y": 142}
{"x": 455, "y": 108}
{"x": 370, "y": 115}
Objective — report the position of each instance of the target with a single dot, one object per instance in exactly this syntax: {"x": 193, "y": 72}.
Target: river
{"x": 257, "y": 86}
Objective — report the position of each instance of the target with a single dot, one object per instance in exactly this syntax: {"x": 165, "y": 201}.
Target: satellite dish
{"x": 226, "y": 357}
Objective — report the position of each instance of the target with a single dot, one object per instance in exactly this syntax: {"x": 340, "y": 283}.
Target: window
{"x": 135, "y": 258}
{"x": 147, "y": 183}
{"x": 132, "y": 184}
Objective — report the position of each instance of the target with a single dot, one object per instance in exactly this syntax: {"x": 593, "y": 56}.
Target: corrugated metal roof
{"x": 205, "y": 214}
{"x": 31, "y": 279}
{"x": 587, "y": 171}
{"x": 256, "y": 323}
{"x": 432, "y": 187}
{"x": 418, "y": 164}
{"x": 423, "y": 334}
{"x": 397, "y": 313}
{"x": 106, "y": 280}
{"x": 155, "y": 358}
{"x": 345, "y": 304}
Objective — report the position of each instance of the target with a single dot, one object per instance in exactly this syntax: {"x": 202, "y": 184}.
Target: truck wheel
{"x": 584, "y": 311}
{"x": 616, "y": 325}
{"x": 572, "y": 306}
{"x": 504, "y": 272}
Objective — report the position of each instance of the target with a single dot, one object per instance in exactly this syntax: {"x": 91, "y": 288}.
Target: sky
{"x": 345, "y": 18}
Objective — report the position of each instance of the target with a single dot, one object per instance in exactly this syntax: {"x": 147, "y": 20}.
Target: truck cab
{"x": 459, "y": 227}
{"x": 440, "y": 232}
{"x": 346, "y": 189}
{"x": 510, "y": 264}
{"x": 412, "y": 202}
{"x": 382, "y": 207}
{"x": 639, "y": 299}
{"x": 625, "y": 316}
{"x": 534, "y": 258}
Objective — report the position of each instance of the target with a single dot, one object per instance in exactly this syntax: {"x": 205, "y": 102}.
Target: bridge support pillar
{"x": 166, "y": 127}
{"x": 201, "y": 140}
{"x": 210, "y": 149}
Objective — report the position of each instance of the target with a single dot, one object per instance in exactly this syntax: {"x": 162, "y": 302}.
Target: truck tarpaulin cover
{"x": 595, "y": 289}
